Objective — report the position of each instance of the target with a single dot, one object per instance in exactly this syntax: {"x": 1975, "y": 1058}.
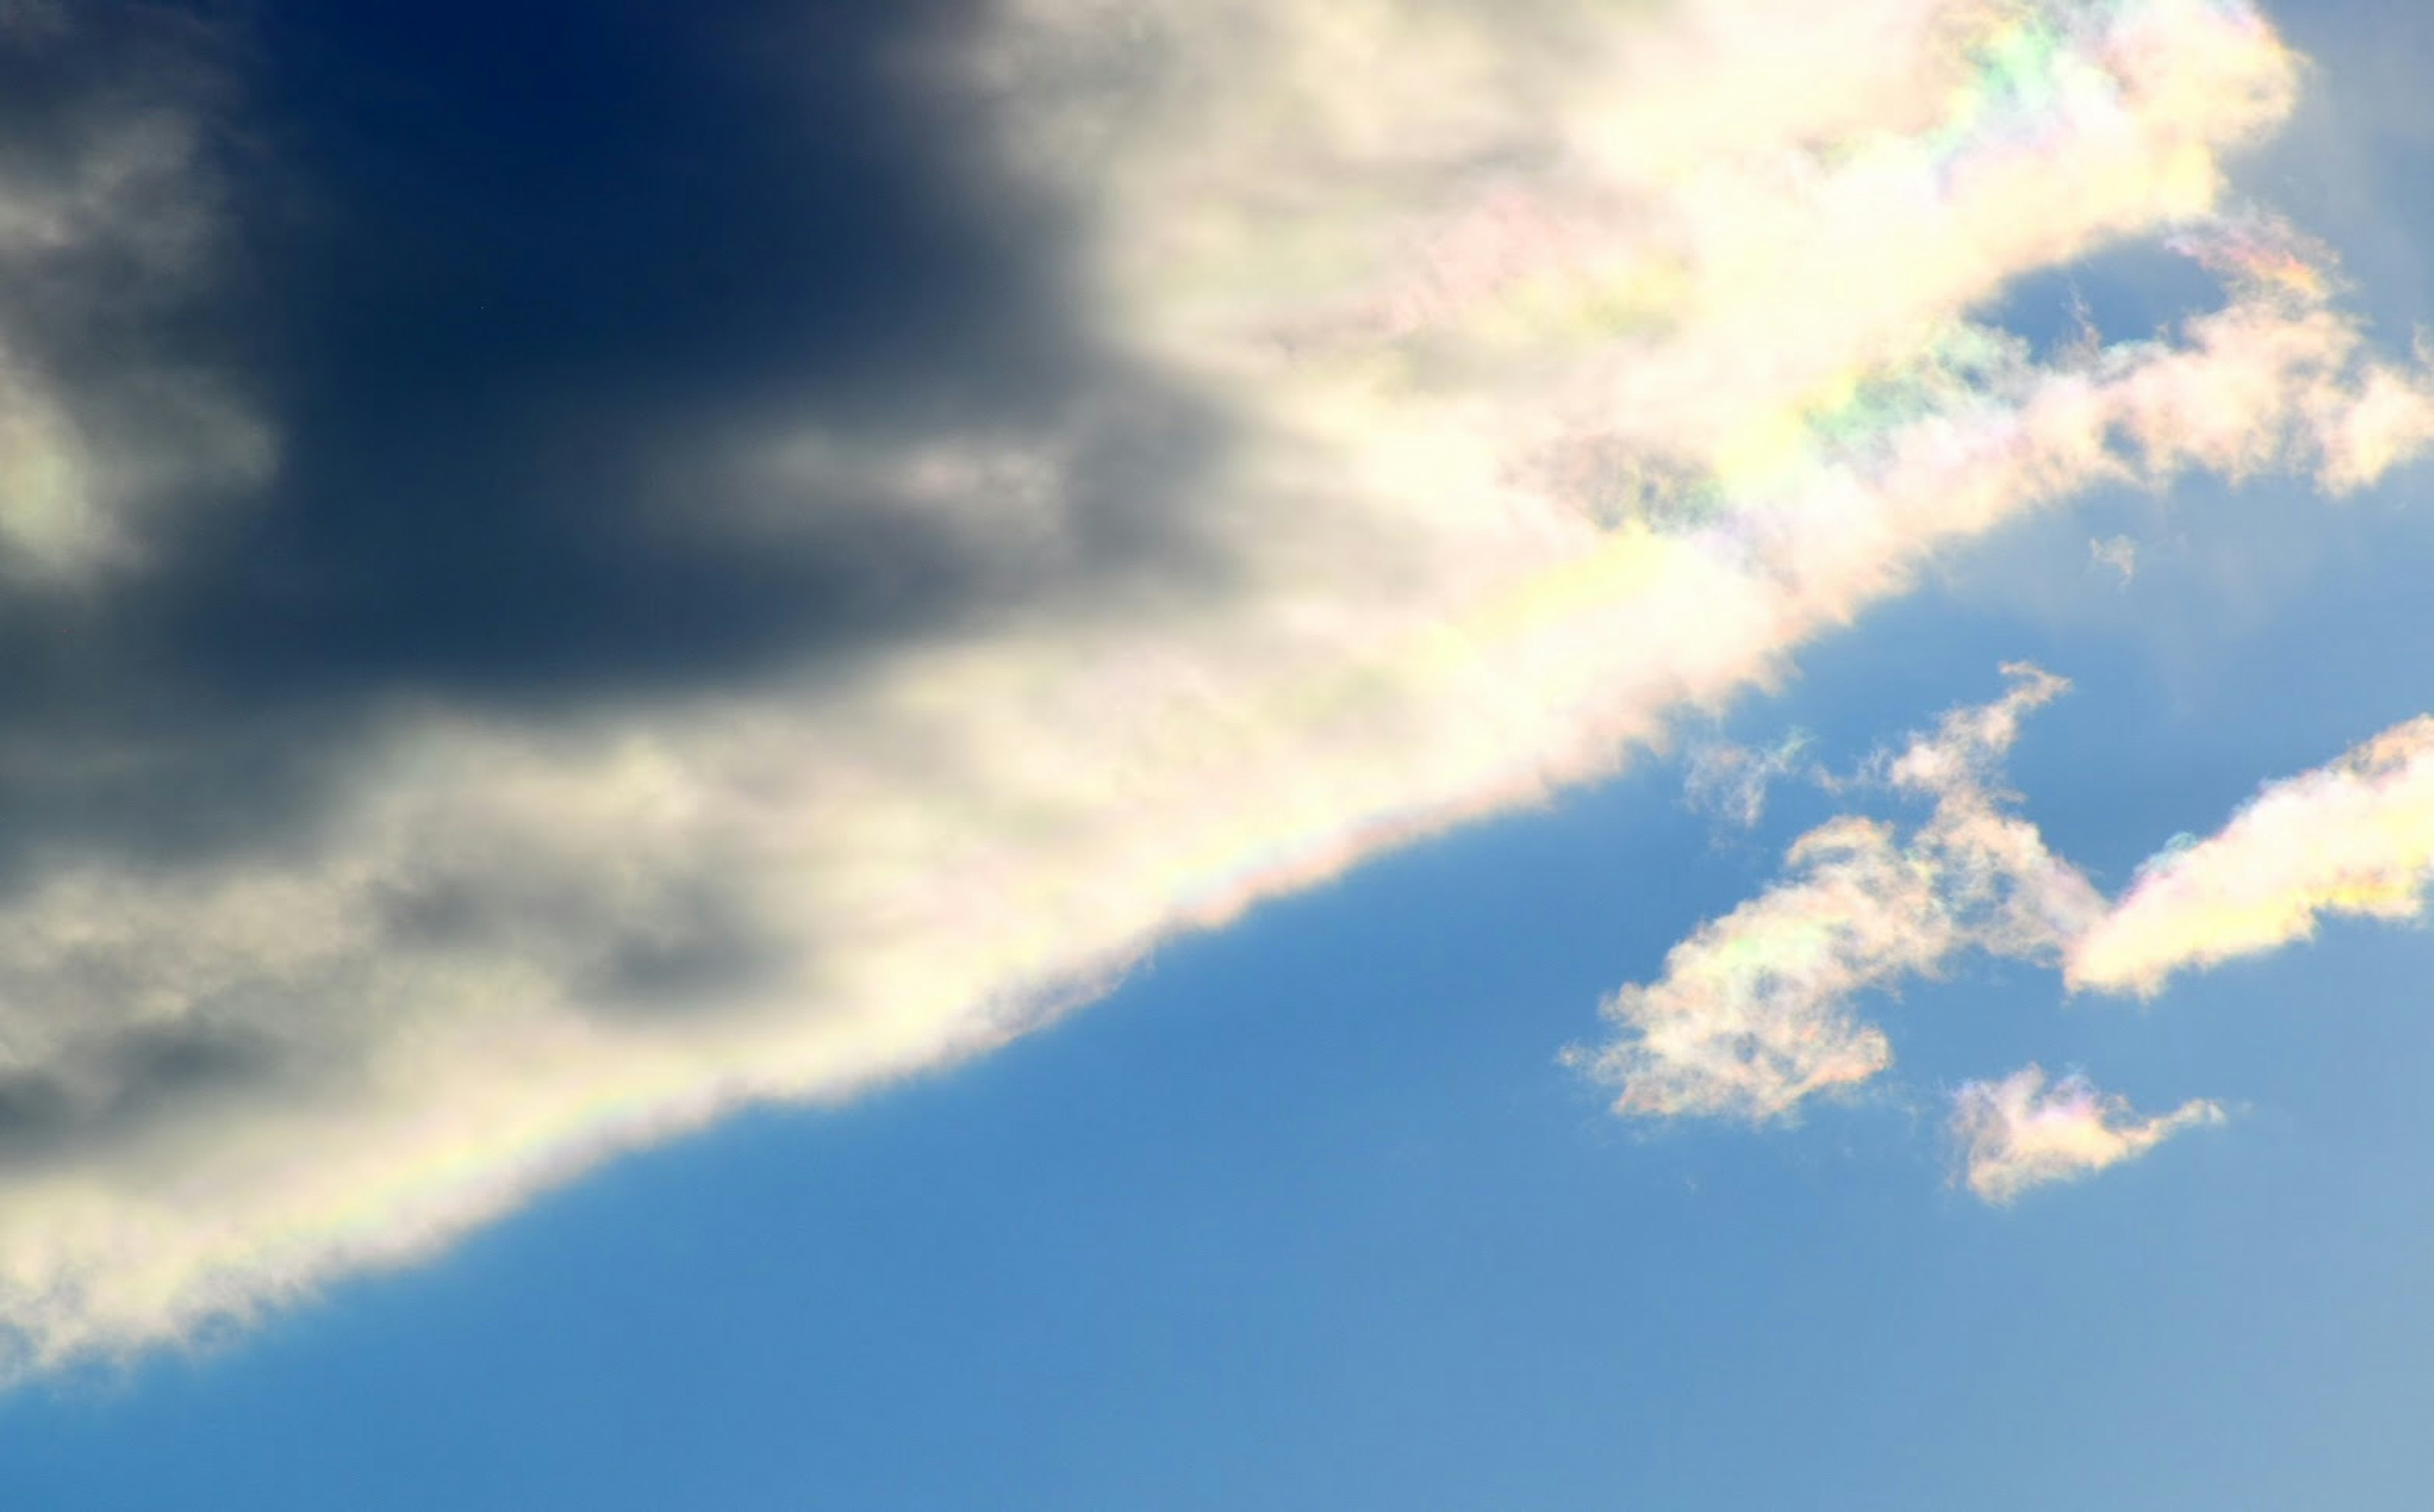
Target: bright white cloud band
{"x": 2356, "y": 837}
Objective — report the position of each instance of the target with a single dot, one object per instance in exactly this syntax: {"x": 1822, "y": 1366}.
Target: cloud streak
{"x": 2354, "y": 836}
{"x": 1568, "y": 367}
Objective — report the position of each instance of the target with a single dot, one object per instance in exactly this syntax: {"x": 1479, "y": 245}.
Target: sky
{"x": 1127, "y": 753}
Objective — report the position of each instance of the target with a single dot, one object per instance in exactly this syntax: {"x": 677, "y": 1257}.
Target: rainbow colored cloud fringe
{"x": 1753, "y": 1016}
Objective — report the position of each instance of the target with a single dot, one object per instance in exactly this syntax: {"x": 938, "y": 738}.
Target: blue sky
{"x": 750, "y": 774}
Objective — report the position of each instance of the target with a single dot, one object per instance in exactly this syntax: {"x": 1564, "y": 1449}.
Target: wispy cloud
{"x": 1731, "y": 781}
{"x": 2120, "y": 552}
{"x": 2019, "y": 1132}
{"x": 1753, "y": 1014}
{"x": 1566, "y": 366}
{"x": 2354, "y": 836}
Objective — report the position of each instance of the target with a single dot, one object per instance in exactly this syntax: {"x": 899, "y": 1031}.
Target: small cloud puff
{"x": 2020, "y": 1133}
{"x": 2120, "y": 552}
{"x": 1753, "y": 1014}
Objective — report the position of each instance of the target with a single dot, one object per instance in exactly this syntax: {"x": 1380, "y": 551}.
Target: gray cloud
{"x": 111, "y": 236}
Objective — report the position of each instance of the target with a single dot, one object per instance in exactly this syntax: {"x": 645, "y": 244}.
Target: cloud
{"x": 1472, "y": 388}
{"x": 2120, "y": 552}
{"x": 1753, "y": 1013}
{"x": 109, "y": 233}
{"x": 2020, "y": 1133}
{"x": 1731, "y": 780}
{"x": 2354, "y": 836}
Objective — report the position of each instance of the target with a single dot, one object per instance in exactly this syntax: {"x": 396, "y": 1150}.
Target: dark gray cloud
{"x": 514, "y": 291}
{"x": 532, "y": 270}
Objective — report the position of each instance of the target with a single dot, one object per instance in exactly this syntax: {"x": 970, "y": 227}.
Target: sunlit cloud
{"x": 1570, "y": 366}
{"x": 1757, "y": 1011}
{"x": 1754, "y": 1013}
{"x": 2019, "y": 1132}
{"x": 2354, "y": 836}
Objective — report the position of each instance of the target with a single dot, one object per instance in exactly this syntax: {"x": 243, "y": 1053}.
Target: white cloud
{"x": 2020, "y": 1133}
{"x": 1753, "y": 1013}
{"x": 2353, "y": 837}
{"x": 1576, "y": 365}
